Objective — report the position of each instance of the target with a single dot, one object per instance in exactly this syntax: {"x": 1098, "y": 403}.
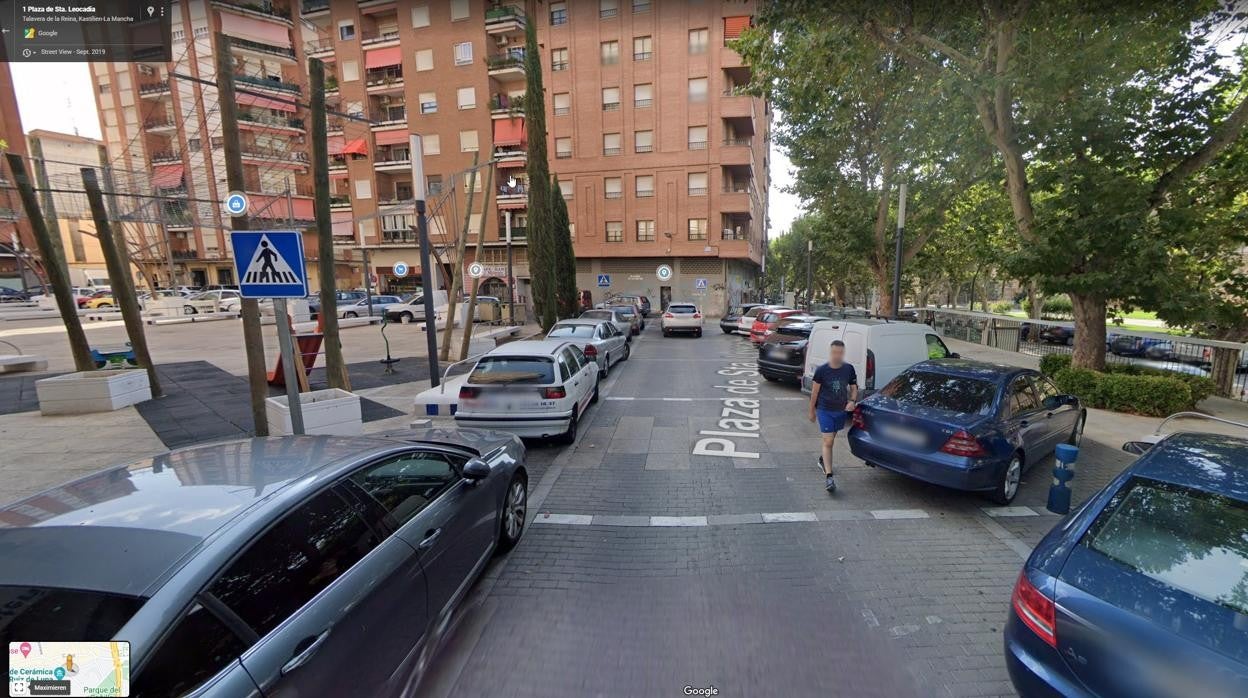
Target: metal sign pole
{"x": 286, "y": 343}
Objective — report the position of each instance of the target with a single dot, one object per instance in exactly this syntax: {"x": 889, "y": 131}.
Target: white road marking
{"x": 678, "y": 521}
{"x": 677, "y": 399}
{"x": 1006, "y": 512}
{"x": 899, "y": 514}
{"x": 703, "y": 399}
{"x": 790, "y": 516}
{"x": 566, "y": 519}
{"x": 824, "y": 516}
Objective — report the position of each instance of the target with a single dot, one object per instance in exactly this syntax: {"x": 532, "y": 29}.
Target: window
{"x": 697, "y": 138}
{"x": 945, "y": 392}
{"x": 193, "y": 144}
{"x": 350, "y": 71}
{"x": 433, "y": 183}
{"x": 563, "y": 103}
{"x": 644, "y": 186}
{"x": 408, "y": 483}
{"x": 1022, "y": 396}
{"x": 463, "y": 53}
{"x": 475, "y": 183}
{"x": 611, "y": 144}
{"x": 563, "y": 148}
{"x": 734, "y": 26}
{"x": 698, "y": 39}
{"x": 459, "y": 10}
{"x": 697, "y": 228}
{"x": 346, "y": 31}
{"x": 640, "y": 6}
{"x": 558, "y": 13}
{"x": 697, "y": 184}
{"x": 697, "y": 89}
{"x": 363, "y": 189}
{"x": 468, "y": 142}
{"x": 424, "y": 59}
{"x": 613, "y": 187}
{"x": 428, "y": 102}
{"x": 432, "y": 144}
{"x": 196, "y": 649}
{"x": 643, "y": 95}
{"x": 643, "y": 141}
{"x": 64, "y": 615}
{"x": 511, "y": 370}
{"x": 936, "y": 349}
{"x": 565, "y": 188}
{"x": 466, "y": 97}
{"x": 1046, "y": 391}
{"x": 645, "y": 231}
{"x": 572, "y": 230}
{"x": 178, "y": 35}
{"x": 294, "y": 560}
{"x": 608, "y": 8}
{"x": 610, "y": 52}
{"x": 104, "y": 88}
{"x": 615, "y": 231}
{"x": 420, "y": 16}
{"x": 643, "y": 49}
{"x": 610, "y": 99}
{"x": 558, "y": 59}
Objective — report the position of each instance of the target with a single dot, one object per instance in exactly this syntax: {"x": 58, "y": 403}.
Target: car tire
{"x": 1011, "y": 478}
{"x": 569, "y": 437}
{"x": 628, "y": 351}
{"x": 512, "y": 518}
{"x": 726, "y": 330}
{"x": 770, "y": 377}
{"x": 606, "y": 367}
{"x": 667, "y": 333}
{"x": 406, "y": 318}
{"x": 351, "y": 314}
{"x": 1076, "y": 434}
{"x": 698, "y": 333}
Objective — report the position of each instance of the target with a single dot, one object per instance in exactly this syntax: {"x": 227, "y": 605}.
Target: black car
{"x": 343, "y": 297}
{"x": 728, "y": 323}
{"x": 1058, "y": 334}
{"x": 11, "y": 295}
{"x": 782, "y": 355}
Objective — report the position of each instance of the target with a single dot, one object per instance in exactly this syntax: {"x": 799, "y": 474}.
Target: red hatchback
{"x": 767, "y": 322}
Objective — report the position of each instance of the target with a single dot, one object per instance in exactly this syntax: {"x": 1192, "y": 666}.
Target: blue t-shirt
{"x": 834, "y": 386}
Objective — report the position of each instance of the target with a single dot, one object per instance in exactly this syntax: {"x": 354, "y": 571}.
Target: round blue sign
{"x": 59, "y": 673}
{"x": 236, "y": 203}
{"x": 400, "y": 269}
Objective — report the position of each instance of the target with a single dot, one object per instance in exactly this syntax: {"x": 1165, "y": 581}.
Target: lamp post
{"x": 810, "y": 291}
{"x": 426, "y": 273}
{"x": 901, "y": 233}
{"x": 511, "y": 282}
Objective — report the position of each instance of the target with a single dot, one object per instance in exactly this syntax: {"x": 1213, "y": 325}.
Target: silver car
{"x": 615, "y": 316}
{"x": 598, "y": 339}
{"x": 307, "y": 565}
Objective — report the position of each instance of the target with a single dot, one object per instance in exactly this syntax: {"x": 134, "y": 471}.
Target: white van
{"x": 877, "y": 349}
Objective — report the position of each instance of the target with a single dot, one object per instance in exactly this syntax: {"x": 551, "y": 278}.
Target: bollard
{"x": 1063, "y": 473}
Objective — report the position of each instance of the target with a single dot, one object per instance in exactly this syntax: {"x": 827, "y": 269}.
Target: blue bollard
{"x": 1063, "y": 473}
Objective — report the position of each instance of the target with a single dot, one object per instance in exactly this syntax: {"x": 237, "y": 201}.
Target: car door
{"x": 1061, "y": 417}
{"x": 317, "y": 590}
{"x": 611, "y": 340}
{"x": 578, "y": 381}
{"x": 587, "y": 372}
{"x": 1024, "y": 421}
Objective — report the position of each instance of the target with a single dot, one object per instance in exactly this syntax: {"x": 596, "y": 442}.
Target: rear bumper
{"x": 957, "y": 472}
{"x": 534, "y": 426}
{"x": 1035, "y": 668}
{"x": 780, "y": 370}
{"x": 682, "y": 327}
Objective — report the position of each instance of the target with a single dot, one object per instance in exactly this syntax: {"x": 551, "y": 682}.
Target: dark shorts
{"x": 830, "y": 421}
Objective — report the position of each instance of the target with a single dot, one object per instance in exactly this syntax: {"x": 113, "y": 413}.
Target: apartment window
{"x": 428, "y": 102}
{"x": 563, "y": 148}
{"x": 613, "y": 187}
{"x": 104, "y": 88}
{"x": 199, "y": 32}
{"x": 178, "y": 35}
{"x": 363, "y": 189}
{"x": 474, "y": 181}
{"x": 610, "y": 52}
{"x": 192, "y": 144}
{"x": 645, "y": 231}
{"x": 615, "y": 231}
{"x": 643, "y": 95}
{"x": 563, "y": 103}
{"x": 697, "y": 89}
{"x": 218, "y": 142}
{"x": 558, "y": 59}
{"x": 350, "y": 71}
{"x": 698, "y": 39}
{"x": 610, "y": 99}
{"x": 697, "y": 184}
{"x": 608, "y": 8}
{"x": 611, "y": 144}
{"x": 431, "y": 144}
{"x": 424, "y": 59}
{"x": 459, "y": 10}
{"x": 558, "y": 13}
{"x": 697, "y": 228}
{"x": 572, "y": 230}
{"x": 420, "y": 16}
{"x": 466, "y": 97}
{"x": 643, "y": 141}
{"x": 433, "y": 184}
{"x": 468, "y": 142}
{"x": 697, "y": 138}
{"x": 346, "y": 31}
{"x": 643, "y": 48}
{"x": 565, "y": 188}
{"x": 643, "y": 185}
{"x": 640, "y": 6}
{"x": 463, "y": 53}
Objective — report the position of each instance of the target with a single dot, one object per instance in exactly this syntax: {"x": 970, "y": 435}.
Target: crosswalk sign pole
{"x": 286, "y": 343}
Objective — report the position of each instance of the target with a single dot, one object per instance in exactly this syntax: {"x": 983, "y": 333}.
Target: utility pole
{"x": 457, "y": 273}
{"x": 253, "y": 337}
{"x": 511, "y": 282}
{"x": 117, "y": 258}
{"x": 810, "y": 252}
{"x": 901, "y": 241}
{"x": 416, "y": 148}
{"x": 466, "y": 340}
{"x": 335, "y": 365}
{"x": 53, "y": 259}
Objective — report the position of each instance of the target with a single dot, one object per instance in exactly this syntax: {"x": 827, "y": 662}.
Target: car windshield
{"x": 571, "y": 331}
{"x": 942, "y": 391}
{"x": 796, "y": 329}
{"x": 626, "y": 311}
{"x": 682, "y": 309}
{"x": 63, "y": 615}
{"x": 506, "y": 370}
{"x": 1184, "y": 538}
{"x": 598, "y": 315}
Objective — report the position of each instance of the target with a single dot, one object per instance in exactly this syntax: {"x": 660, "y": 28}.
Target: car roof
{"x": 1209, "y": 462}
{"x": 588, "y": 321}
{"x": 529, "y": 347}
{"x": 969, "y": 368}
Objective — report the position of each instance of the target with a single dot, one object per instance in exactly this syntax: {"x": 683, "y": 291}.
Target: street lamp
{"x": 901, "y": 233}
{"x": 426, "y": 273}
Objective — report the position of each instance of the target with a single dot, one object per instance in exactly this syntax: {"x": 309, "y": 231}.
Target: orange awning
{"x": 263, "y": 102}
{"x": 167, "y": 176}
{"x": 393, "y": 137}
{"x": 507, "y": 164}
{"x": 356, "y": 147}
{"x": 382, "y": 57}
{"x": 734, "y": 26}
{"x": 522, "y": 203}
{"x": 336, "y": 144}
{"x": 509, "y": 131}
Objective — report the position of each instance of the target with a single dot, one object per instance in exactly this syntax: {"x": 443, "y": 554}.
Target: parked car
{"x": 1140, "y": 591}
{"x": 535, "y": 388}
{"x": 145, "y": 298}
{"x": 965, "y": 424}
{"x": 342, "y": 298}
{"x": 642, "y": 303}
{"x": 280, "y": 561}
{"x": 101, "y": 301}
{"x": 878, "y": 349}
{"x": 601, "y": 342}
{"x": 633, "y": 314}
{"x": 682, "y": 317}
{"x": 732, "y": 319}
{"x": 360, "y": 308}
{"x": 1057, "y": 334}
{"x": 615, "y": 316}
{"x": 746, "y": 322}
{"x": 12, "y": 295}
{"x": 782, "y": 355}
{"x": 220, "y": 301}
{"x": 410, "y": 310}
{"x": 767, "y": 321}
{"x": 1129, "y": 345}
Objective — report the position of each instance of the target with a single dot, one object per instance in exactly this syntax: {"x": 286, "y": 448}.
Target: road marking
{"x": 565, "y": 519}
{"x": 820, "y": 516}
{"x": 1006, "y": 512}
{"x": 677, "y": 399}
{"x": 703, "y": 399}
{"x": 1010, "y": 540}
{"x": 790, "y": 517}
{"x": 678, "y": 521}
{"x": 899, "y": 514}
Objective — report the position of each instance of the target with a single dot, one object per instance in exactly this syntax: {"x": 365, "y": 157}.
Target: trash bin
{"x": 488, "y": 312}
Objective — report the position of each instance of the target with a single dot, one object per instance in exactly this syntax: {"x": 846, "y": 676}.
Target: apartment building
{"x": 15, "y": 232}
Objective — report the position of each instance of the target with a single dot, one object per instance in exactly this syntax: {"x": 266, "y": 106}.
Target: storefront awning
{"x": 382, "y": 57}
{"x": 167, "y": 176}
{"x": 509, "y": 131}
{"x": 393, "y": 137}
{"x": 263, "y": 102}
{"x": 356, "y": 147}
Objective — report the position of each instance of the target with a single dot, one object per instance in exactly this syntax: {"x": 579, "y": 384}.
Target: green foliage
{"x": 1050, "y": 364}
{"x": 1196, "y": 388}
{"x": 543, "y": 243}
{"x": 1001, "y": 307}
{"x": 565, "y": 258}
{"x": 1082, "y": 382}
{"x": 1152, "y": 396}
{"x": 1056, "y": 307}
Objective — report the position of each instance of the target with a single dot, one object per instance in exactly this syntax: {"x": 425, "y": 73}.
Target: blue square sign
{"x": 269, "y": 263}
{"x": 604, "y": 280}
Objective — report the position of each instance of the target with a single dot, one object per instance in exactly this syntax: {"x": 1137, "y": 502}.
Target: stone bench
{"x": 18, "y": 363}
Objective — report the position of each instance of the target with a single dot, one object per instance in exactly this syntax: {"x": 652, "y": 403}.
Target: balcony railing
{"x": 186, "y": 254}
{"x": 147, "y": 88}
{"x": 385, "y": 115}
{"x": 513, "y": 58}
{"x": 258, "y": 8}
{"x": 643, "y": 55}
{"x": 310, "y": 6}
{"x": 383, "y": 78}
{"x": 731, "y": 142}
{"x": 518, "y": 232}
{"x": 612, "y": 151}
{"x": 261, "y": 47}
{"x": 514, "y": 105}
{"x": 270, "y": 120}
{"x": 342, "y": 200}
{"x": 697, "y": 191}
{"x": 392, "y": 159}
{"x": 642, "y": 103}
{"x": 738, "y": 188}
{"x": 610, "y": 106}
{"x": 563, "y": 154}
{"x": 258, "y": 153}
{"x": 271, "y": 83}
{"x": 318, "y": 46}
{"x": 379, "y": 37}
{"x": 643, "y": 148}
{"x": 337, "y": 162}
{"x": 166, "y": 156}
{"x": 159, "y": 123}
{"x": 613, "y": 195}
{"x": 518, "y": 189}
{"x": 607, "y": 13}
{"x": 697, "y": 145}
{"x": 397, "y": 236}
{"x": 645, "y": 193}
{"x": 503, "y": 13}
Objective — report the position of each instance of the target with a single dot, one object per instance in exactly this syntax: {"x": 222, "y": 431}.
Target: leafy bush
{"x": 1054, "y": 308}
{"x": 1050, "y": 364}
{"x": 1200, "y": 387}
{"x": 1001, "y": 308}
{"x": 1080, "y": 382}
{"x": 1152, "y": 396}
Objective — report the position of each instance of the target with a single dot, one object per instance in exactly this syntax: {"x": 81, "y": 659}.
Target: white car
{"x": 220, "y": 301}
{"x": 682, "y": 317}
{"x": 534, "y": 388}
{"x": 746, "y": 323}
{"x": 614, "y": 316}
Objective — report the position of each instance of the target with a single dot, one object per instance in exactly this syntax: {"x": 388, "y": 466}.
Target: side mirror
{"x": 954, "y": 355}
{"x": 1137, "y": 447}
{"x": 476, "y": 469}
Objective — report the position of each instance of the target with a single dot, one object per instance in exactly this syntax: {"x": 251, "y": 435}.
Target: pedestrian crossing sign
{"x": 269, "y": 263}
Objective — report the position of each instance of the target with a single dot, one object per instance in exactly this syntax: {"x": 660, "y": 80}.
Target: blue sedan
{"x": 1143, "y": 591}
{"x": 965, "y": 424}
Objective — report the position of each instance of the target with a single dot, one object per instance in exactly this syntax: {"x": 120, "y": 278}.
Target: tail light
{"x": 591, "y": 351}
{"x": 697, "y": 316}
{"x": 1035, "y": 609}
{"x": 870, "y": 383}
{"x": 669, "y": 316}
{"x": 963, "y": 444}
{"x": 859, "y": 419}
{"x": 554, "y": 393}
{"x": 467, "y": 392}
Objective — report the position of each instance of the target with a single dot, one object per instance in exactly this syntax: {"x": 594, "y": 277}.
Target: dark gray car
{"x": 287, "y": 566}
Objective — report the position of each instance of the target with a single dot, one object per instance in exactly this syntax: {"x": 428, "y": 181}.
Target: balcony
{"x": 519, "y": 233}
{"x": 334, "y": 126}
{"x": 311, "y": 7}
{"x": 264, "y": 121}
{"x": 160, "y": 124}
{"x": 393, "y": 162}
{"x": 185, "y": 254}
{"x": 507, "y": 66}
{"x": 275, "y": 157}
{"x": 258, "y": 10}
{"x": 261, "y": 48}
{"x": 166, "y": 156}
{"x": 510, "y": 156}
{"x": 340, "y": 202}
{"x": 155, "y": 88}
{"x": 271, "y": 83}
{"x": 399, "y": 237}
{"x": 389, "y": 117}
{"x": 504, "y": 20}
{"x": 736, "y": 106}
{"x": 384, "y": 80}
{"x": 505, "y": 107}
{"x": 319, "y": 49}
{"x": 512, "y": 193}
{"x": 338, "y": 163}
{"x": 377, "y": 39}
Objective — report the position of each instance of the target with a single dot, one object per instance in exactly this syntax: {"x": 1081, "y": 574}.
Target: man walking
{"x": 833, "y": 393}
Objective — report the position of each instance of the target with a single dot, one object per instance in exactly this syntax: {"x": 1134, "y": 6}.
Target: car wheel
{"x": 515, "y": 508}
{"x": 667, "y": 333}
{"x": 628, "y": 351}
{"x": 1076, "y": 434}
{"x": 1010, "y": 479}
{"x": 1070, "y": 341}
{"x": 351, "y": 314}
{"x": 104, "y": 305}
{"x": 189, "y": 310}
{"x": 770, "y": 377}
{"x": 698, "y": 333}
{"x": 726, "y": 330}
{"x": 606, "y": 367}
{"x": 569, "y": 436}
{"x": 406, "y": 317}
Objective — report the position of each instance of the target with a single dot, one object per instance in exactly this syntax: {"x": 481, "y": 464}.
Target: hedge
{"x": 1148, "y": 395}
{"x": 1197, "y": 387}
{"x": 1053, "y": 307}
{"x": 1001, "y": 307}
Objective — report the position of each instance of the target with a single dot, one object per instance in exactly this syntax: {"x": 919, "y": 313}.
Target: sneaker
{"x": 831, "y": 485}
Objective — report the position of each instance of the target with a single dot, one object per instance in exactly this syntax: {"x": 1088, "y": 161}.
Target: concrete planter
{"x": 330, "y": 411}
{"x": 92, "y": 391}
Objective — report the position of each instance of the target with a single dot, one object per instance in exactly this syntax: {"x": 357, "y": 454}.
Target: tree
{"x": 543, "y": 258}
{"x": 565, "y": 257}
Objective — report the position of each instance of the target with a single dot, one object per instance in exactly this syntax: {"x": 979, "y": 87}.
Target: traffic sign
{"x": 700, "y": 284}
{"x": 476, "y": 270}
{"x": 664, "y": 272}
{"x": 604, "y": 280}
{"x": 269, "y": 263}
{"x": 400, "y": 269}
{"x": 236, "y": 203}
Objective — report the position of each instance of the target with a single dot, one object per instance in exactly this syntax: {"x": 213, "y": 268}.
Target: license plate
{"x": 904, "y": 435}
{"x": 778, "y": 352}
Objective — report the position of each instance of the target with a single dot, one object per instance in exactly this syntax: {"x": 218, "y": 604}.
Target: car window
{"x": 294, "y": 560}
{"x": 936, "y": 348}
{"x": 406, "y": 484}
{"x": 597, "y": 315}
{"x": 63, "y": 615}
{"x": 196, "y": 649}
{"x": 576, "y": 358}
{"x": 1045, "y": 390}
{"x": 682, "y": 309}
{"x": 1021, "y": 396}
{"x": 565, "y": 370}
{"x": 941, "y": 391}
{"x": 571, "y": 331}
{"x": 501, "y": 370}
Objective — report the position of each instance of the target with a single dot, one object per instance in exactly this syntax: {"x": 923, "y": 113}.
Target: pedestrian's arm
{"x": 853, "y": 396}
{"x": 814, "y": 398}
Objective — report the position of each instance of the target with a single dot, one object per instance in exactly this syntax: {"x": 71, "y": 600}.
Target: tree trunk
{"x": 1222, "y": 371}
{"x": 1035, "y": 302}
{"x": 884, "y": 288}
{"x": 1089, "y": 331}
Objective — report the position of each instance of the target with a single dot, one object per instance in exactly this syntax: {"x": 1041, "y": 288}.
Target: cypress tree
{"x": 542, "y": 261}
{"x": 565, "y": 258}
